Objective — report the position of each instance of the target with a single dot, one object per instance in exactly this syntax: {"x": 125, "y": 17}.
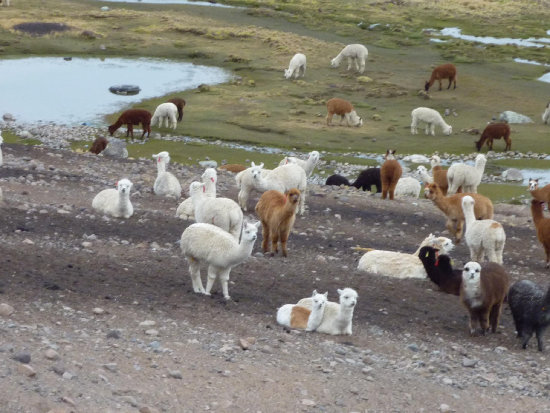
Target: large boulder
{"x": 512, "y": 174}
{"x": 514, "y": 117}
{"x": 116, "y": 148}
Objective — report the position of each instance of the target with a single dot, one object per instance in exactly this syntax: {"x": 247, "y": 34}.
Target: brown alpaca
{"x": 452, "y": 208}
{"x": 446, "y": 71}
{"x": 233, "y": 167}
{"x": 277, "y": 212}
{"x": 180, "y": 104}
{"x": 482, "y": 292}
{"x": 133, "y": 117}
{"x": 99, "y": 145}
{"x": 540, "y": 194}
{"x": 390, "y": 172}
{"x": 345, "y": 110}
{"x": 542, "y": 225}
{"x": 495, "y": 131}
{"x": 440, "y": 175}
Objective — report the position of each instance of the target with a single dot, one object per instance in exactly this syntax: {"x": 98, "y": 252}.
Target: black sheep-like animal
{"x": 337, "y": 180}
{"x": 530, "y": 306}
{"x": 440, "y": 270}
{"x": 367, "y": 178}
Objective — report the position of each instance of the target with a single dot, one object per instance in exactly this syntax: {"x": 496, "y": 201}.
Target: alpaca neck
{"x": 261, "y": 183}
{"x": 480, "y": 165}
{"x": 123, "y": 200}
{"x": 240, "y": 253}
{"x": 441, "y": 202}
{"x": 536, "y": 212}
{"x": 161, "y": 168}
{"x": 469, "y": 216}
{"x": 345, "y": 314}
{"x": 211, "y": 188}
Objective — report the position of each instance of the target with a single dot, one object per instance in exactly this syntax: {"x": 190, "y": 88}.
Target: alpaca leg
{"x": 526, "y": 334}
{"x": 414, "y": 131}
{"x": 384, "y": 191}
{"x": 349, "y": 63}
{"x": 362, "y": 68}
{"x": 439, "y": 80}
{"x": 224, "y": 279}
{"x": 242, "y": 197}
{"x": 492, "y": 254}
{"x": 274, "y": 243}
{"x": 540, "y": 344}
{"x": 427, "y": 129}
{"x": 130, "y": 130}
{"x": 450, "y": 81}
{"x": 329, "y": 119}
{"x": 391, "y": 191}
{"x": 494, "y": 316}
{"x": 284, "y": 238}
{"x": 265, "y": 236}
{"x": 302, "y": 208}
{"x": 547, "y": 250}
{"x": 356, "y": 61}
{"x": 211, "y": 278}
{"x": 195, "y": 272}
{"x": 459, "y": 230}
{"x": 342, "y": 117}
{"x": 432, "y": 129}
{"x": 484, "y": 321}
{"x": 473, "y": 322}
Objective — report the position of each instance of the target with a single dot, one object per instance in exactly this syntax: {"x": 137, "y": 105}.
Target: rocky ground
{"x": 98, "y": 314}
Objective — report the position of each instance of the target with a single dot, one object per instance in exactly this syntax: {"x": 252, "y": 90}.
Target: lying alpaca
{"x": 542, "y": 226}
{"x": 367, "y": 178}
{"x": 466, "y": 176}
{"x": 166, "y": 184}
{"x": 530, "y": 306}
{"x": 431, "y": 118}
{"x": 355, "y": 53}
{"x": 130, "y": 118}
{"x": 483, "y": 237}
{"x": 407, "y": 187}
{"x": 115, "y": 202}
{"x": 296, "y": 316}
{"x": 337, "y": 180}
{"x": 186, "y": 209}
{"x": 165, "y": 113}
{"x": 399, "y": 264}
{"x": 208, "y": 244}
{"x": 495, "y": 131}
{"x": 99, "y": 145}
{"x": 345, "y": 110}
{"x": 482, "y": 292}
{"x": 390, "y": 172}
{"x": 296, "y": 67}
{"x": 180, "y": 104}
{"x": 337, "y": 318}
{"x": 277, "y": 212}
{"x": 440, "y": 270}
{"x": 446, "y": 71}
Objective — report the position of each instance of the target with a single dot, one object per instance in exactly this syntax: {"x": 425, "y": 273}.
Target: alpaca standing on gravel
{"x": 484, "y": 237}
{"x": 165, "y": 113}
{"x": 166, "y": 184}
{"x": 245, "y": 182}
{"x": 296, "y": 316}
{"x": 211, "y": 245}
{"x": 296, "y": 67}
{"x": 466, "y": 176}
{"x": 431, "y": 118}
{"x": 186, "y": 209}
{"x": 115, "y": 202}
{"x": 355, "y": 53}
{"x": 308, "y": 164}
{"x": 390, "y": 172}
{"x": 367, "y": 178}
{"x": 337, "y": 317}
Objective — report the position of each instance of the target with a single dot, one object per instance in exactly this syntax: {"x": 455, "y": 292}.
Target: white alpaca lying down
{"x": 402, "y": 265}
{"x": 115, "y": 202}
{"x": 296, "y": 316}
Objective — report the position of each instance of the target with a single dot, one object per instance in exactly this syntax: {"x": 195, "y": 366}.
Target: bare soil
{"x": 81, "y": 284}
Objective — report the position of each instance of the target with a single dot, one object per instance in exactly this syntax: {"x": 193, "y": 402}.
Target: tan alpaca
{"x": 390, "y": 172}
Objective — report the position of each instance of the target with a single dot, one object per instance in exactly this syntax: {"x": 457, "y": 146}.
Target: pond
{"x": 530, "y": 42}
{"x": 194, "y": 3}
{"x": 76, "y": 91}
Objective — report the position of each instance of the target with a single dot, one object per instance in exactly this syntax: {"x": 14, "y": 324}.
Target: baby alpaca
{"x": 296, "y": 67}
{"x": 165, "y": 113}
{"x": 337, "y": 318}
{"x": 296, "y": 316}
{"x": 354, "y": 53}
{"x": 166, "y": 184}
{"x": 115, "y": 202}
{"x": 277, "y": 213}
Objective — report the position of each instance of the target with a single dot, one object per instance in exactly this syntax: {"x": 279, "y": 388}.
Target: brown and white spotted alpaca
{"x": 296, "y": 316}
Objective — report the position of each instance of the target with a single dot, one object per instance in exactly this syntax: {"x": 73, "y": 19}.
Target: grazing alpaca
{"x": 367, "y": 178}
{"x": 130, "y": 118}
{"x": 296, "y": 67}
{"x": 115, "y": 202}
{"x": 495, "y": 131}
{"x": 165, "y": 113}
{"x": 180, "y": 104}
{"x": 345, "y": 110}
{"x": 308, "y": 164}
{"x": 542, "y": 226}
{"x": 440, "y": 270}
{"x": 277, "y": 212}
{"x": 99, "y": 145}
{"x": 530, "y": 306}
{"x": 211, "y": 245}
{"x": 390, "y": 172}
{"x": 540, "y": 194}
{"x": 431, "y": 118}
{"x": 296, "y": 316}
{"x": 452, "y": 208}
{"x": 166, "y": 183}
{"x": 482, "y": 292}
{"x": 337, "y": 318}
{"x": 401, "y": 265}
{"x": 337, "y": 180}
{"x": 355, "y": 53}
{"x": 483, "y": 237}
{"x": 446, "y": 71}
{"x": 466, "y": 176}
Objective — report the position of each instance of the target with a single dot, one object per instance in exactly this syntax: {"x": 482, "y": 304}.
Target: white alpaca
{"x": 281, "y": 179}
{"x": 424, "y": 175}
{"x": 115, "y": 202}
{"x": 467, "y": 176}
{"x": 221, "y": 212}
{"x": 337, "y": 318}
{"x": 546, "y": 114}
{"x": 245, "y": 183}
{"x": 166, "y": 184}
{"x": 296, "y": 67}
{"x": 355, "y": 53}
{"x": 484, "y": 237}
{"x": 165, "y": 113}
{"x": 1, "y": 142}
{"x": 402, "y": 265}
{"x": 5, "y": 3}
{"x": 186, "y": 210}
{"x": 295, "y": 316}
{"x": 431, "y": 118}
{"x": 210, "y": 245}
{"x": 407, "y": 187}
{"x": 308, "y": 165}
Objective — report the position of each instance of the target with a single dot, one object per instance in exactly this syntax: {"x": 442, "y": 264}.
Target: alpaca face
{"x": 196, "y": 187}
{"x": 445, "y": 245}
{"x": 348, "y": 297}
{"x": 533, "y": 184}
{"x": 293, "y": 196}
{"x": 471, "y": 273}
{"x": 288, "y": 73}
{"x": 390, "y": 154}
{"x": 256, "y": 171}
{"x": 435, "y": 160}
{"x": 334, "y": 62}
{"x": 209, "y": 174}
{"x": 314, "y": 156}
{"x": 124, "y": 186}
{"x": 162, "y": 157}
{"x": 319, "y": 300}
{"x": 448, "y": 131}
{"x": 250, "y": 231}
{"x": 468, "y": 202}
{"x": 430, "y": 191}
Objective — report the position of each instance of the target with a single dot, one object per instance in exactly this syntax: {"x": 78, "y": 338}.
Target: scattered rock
{"x": 6, "y": 310}
{"x": 51, "y": 354}
{"x": 26, "y": 370}
{"x": 23, "y": 357}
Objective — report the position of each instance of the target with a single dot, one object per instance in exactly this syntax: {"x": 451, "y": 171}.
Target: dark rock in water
{"x": 125, "y": 90}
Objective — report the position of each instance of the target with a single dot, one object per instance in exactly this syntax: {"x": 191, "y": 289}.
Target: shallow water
{"x": 543, "y": 78}
{"x": 51, "y": 89}
{"x": 195, "y": 3}
{"x": 530, "y": 42}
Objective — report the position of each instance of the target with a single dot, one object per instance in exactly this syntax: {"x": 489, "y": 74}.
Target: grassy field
{"x": 259, "y": 106}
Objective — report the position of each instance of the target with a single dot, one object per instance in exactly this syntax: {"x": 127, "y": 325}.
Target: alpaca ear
{"x": 314, "y": 293}
{"x": 326, "y": 294}
{"x": 257, "y": 224}
{"x": 253, "y": 164}
{"x": 340, "y": 291}
{"x": 261, "y": 165}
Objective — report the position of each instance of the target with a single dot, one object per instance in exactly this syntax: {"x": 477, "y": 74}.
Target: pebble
{"x": 6, "y": 310}
{"x": 466, "y": 362}
{"x": 147, "y": 323}
{"x": 113, "y": 334}
{"x": 175, "y": 374}
{"x": 444, "y": 408}
{"x": 152, "y": 332}
{"x": 308, "y": 402}
{"x": 51, "y": 354}
{"x": 98, "y": 310}
{"x": 23, "y": 357}
{"x": 26, "y": 370}
{"x": 111, "y": 367}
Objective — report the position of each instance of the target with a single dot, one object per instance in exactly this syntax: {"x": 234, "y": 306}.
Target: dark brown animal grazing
{"x": 130, "y": 118}
{"x": 180, "y": 104}
{"x": 495, "y": 131}
{"x": 446, "y": 71}
{"x": 390, "y": 172}
{"x": 99, "y": 145}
